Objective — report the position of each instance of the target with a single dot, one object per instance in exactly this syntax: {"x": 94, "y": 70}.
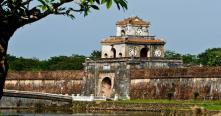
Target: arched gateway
{"x": 105, "y": 88}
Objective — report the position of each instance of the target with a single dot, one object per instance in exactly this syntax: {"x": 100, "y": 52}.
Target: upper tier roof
{"x": 132, "y": 40}
{"x": 133, "y": 21}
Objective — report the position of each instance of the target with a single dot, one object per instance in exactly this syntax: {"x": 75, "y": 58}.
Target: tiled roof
{"x": 135, "y": 40}
{"x": 133, "y": 21}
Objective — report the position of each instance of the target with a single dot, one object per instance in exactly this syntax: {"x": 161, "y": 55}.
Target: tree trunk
{"x": 5, "y": 35}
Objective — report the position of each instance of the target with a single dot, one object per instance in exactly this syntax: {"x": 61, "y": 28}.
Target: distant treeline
{"x": 74, "y": 62}
{"x": 210, "y": 57}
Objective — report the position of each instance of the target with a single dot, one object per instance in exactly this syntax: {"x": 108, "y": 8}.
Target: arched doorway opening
{"x": 105, "y": 55}
{"x": 113, "y": 50}
{"x": 122, "y": 33}
{"x": 143, "y": 52}
{"x": 120, "y": 55}
{"x": 106, "y": 87}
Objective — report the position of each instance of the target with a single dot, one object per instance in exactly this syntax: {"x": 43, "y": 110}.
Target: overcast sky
{"x": 188, "y": 26}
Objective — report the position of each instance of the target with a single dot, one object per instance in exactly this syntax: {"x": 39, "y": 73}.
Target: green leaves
{"x": 108, "y": 4}
{"x": 87, "y": 4}
{"x": 29, "y": 11}
{"x": 211, "y": 57}
{"x": 42, "y": 8}
{"x": 121, "y": 3}
{"x": 172, "y": 55}
{"x": 95, "y": 7}
{"x": 95, "y": 54}
{"x": 73, "y": 62}
{"x": 98, "y": 1}
{"x": 46, "y": 5}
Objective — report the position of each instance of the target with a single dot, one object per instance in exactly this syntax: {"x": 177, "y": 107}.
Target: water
{"x": 34, "y": 112}
{"x": 60, "y": 113}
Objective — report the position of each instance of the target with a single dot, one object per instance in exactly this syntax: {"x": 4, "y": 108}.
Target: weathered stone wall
{"x": 65, "y": 82}
{"x": 116, "y": 71}
{"x": 180, "y": 83}
{"x": 168, "y": 73}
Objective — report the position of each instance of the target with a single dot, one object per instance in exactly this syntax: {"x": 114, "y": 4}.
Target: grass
{"x": 207, "y": 104}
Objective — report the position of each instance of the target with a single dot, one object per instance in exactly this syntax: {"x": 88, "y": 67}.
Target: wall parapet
{"x": 164, "y": 73}
{"x": 59, "y": 82}
{"x": 46, "y": 75}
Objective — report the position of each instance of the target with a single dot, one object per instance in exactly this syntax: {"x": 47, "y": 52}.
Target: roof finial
{"x": 134, "y": 20}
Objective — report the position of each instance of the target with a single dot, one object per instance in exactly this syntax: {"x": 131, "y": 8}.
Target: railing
{"x": 133, "y": 59}
{"x": 128, "y": 36}
{"x": 88, "y": 98}
{"x": 37, "y": 95}
{"x": 51, "y": 96}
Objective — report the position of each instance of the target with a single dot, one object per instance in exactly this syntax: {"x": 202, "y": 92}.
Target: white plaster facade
{"x": 107, "y": 51}
{"x": 130, "y": 30}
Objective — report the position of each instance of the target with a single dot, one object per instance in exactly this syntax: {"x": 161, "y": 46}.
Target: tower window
{"x": 143, "y": 52}
{"x": 122, "y": 33}
{"x": 113, "y": 50}
{"x": 120, "y": 55}
{"x": 105, "y": 55}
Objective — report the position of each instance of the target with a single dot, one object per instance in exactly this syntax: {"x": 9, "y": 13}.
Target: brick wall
{"x": 66, "y": 82}
{"x": 181, "y": 83}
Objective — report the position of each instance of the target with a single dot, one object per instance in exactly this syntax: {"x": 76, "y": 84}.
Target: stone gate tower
{"x": 131, "y": 48}
{"x": 132, "y": 40}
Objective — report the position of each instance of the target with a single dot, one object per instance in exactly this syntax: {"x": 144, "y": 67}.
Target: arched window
{"x": 105, "y": 55}
{"x": 120, "y": 55}
{"x": 122, "y": 33}
{"x": 143, "y": 52}
{"x": 107, "y": 81}
{"x": 113, "y": 50}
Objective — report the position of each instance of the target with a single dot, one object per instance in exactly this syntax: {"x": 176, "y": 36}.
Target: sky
{"x": 188, "y": 26}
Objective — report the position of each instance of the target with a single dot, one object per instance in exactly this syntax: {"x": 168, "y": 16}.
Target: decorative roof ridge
{"x": 120, "y": 39}
{"x": 133, "y": 20}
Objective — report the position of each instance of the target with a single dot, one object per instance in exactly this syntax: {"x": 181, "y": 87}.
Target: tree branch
{"x": 23, "y": 15}
{"x": 1, "y": 1}
{"x": 35, "y": 14}
{"x": 26, "y": 2}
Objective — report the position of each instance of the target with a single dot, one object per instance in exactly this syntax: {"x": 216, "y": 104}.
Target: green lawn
{"x": 208, "y": 104}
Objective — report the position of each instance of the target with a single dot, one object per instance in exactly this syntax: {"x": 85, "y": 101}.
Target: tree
{"x": 74, "y": 62}
{"x": 211, "y": 57}
{"x": 172, "y": 55}
{"x": 17, "y": 13}
{"x": 95, "y": 54}
{"x": 190, "y": 59}
{"x": 22, "y": 64}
